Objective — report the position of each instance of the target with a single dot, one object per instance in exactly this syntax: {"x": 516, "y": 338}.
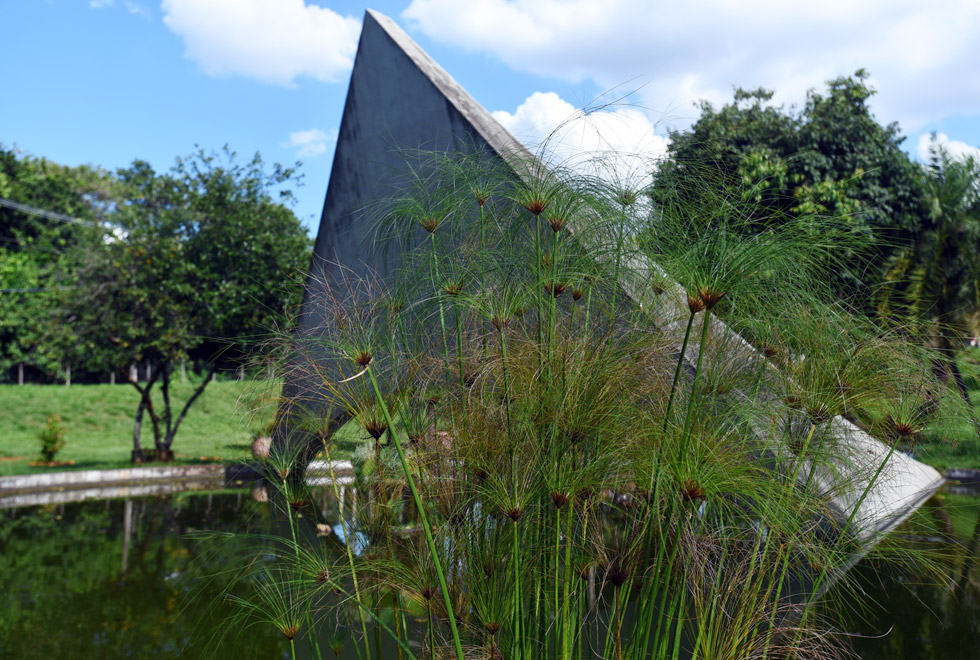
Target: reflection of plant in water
{"x": 913, "y": 618}
{"x": 66, "y": 594}
{"x": 554, "y": 474}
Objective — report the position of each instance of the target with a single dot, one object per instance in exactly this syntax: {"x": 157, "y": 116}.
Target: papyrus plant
{"x": 551, "y": 470}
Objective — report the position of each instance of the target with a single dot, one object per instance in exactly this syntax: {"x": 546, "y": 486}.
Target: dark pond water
{"x": 79, "y": 582}
{"x": 935, "y": 615}
{"x": 127, "y": 579}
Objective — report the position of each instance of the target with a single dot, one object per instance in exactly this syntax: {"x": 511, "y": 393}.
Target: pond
{"x": 122, "y": 579}
{"x": 127, "y": 578}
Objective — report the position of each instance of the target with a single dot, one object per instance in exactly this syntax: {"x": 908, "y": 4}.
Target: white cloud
{"x": 310, "y": 143}
{"x": 955, "y": 148}
{"x": 923, "y": 56}
{"x": 133, "y": 8}
{"x": 274, "y": 41}
{"x": 138, "y": 10}
{"x": 617, "y": 143}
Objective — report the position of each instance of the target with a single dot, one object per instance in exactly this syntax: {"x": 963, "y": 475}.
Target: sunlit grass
{"x": 99, "y": 423}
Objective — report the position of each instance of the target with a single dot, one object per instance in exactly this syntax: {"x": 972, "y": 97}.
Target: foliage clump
{"x": 570, "y": 453}
{"x": 52, "y": 438}
{"x": 143, "y": 272}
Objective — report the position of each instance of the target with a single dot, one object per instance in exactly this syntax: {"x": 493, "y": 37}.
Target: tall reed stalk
{"x": 548, "y": 494}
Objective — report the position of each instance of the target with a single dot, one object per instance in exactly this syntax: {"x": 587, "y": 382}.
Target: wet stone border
{"x": 79, "y": 485}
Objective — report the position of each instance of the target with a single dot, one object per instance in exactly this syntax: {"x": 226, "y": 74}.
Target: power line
{"x": 51, "y": 215}
{"x": 30, "y": 245}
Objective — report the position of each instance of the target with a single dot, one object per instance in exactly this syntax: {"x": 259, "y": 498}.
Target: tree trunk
{"x": 171, "y": 432}
{"x": 127, "y": 533}
{"x": 20, "y": 374}
{"x": 969, "y": 559}
{"x": 960, "y": 383}
{"x": 948, "y": 355}
{"x": 146, "y": 404}
{"x": 67, "y": 375}
{"x": 163, "y": 444}
{"x": 137, "y": 456}
{"x": 112, "y": 377}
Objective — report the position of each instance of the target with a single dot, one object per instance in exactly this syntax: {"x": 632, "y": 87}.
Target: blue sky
{"x": 108, "y": 81}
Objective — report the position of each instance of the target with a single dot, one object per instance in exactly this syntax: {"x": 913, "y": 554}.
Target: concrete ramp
{"x": 400, "y": 99}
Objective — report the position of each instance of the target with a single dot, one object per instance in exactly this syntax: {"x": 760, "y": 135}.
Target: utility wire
{"x": 51, "y": 215}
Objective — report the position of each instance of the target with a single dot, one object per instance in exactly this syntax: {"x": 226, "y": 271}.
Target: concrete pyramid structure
{"x": 399, "y": 98}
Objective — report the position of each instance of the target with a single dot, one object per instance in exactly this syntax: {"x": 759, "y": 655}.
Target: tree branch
{"x": 197, "y": 393}
{"x": 165, "y": 386}
{"x": 147, "y": 403}
{"x": 138, "y": 425}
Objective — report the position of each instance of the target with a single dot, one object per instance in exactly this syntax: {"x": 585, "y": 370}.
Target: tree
{"x": 76, "y": 192}
{"x": 830, "y": 158}
{"x": 248, "y": 265}
{"x": 25, "y": 299}
{"x": 937, "y": 276}
{"x": 200, "y": 262}
{"x": 45, "y": 210}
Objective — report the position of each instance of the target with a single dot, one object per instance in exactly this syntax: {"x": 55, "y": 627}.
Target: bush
{"x": 52, "y": 438}
{"x": 561, "y": 470}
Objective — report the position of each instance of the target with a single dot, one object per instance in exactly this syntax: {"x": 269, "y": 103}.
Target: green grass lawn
{"x": 954, "y": 443}
{"x": 225, "y": 418}
{"x": 99, "y": 422}
{"x": 957, "y": 451}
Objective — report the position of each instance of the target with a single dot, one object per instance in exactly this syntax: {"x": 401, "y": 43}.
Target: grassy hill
{"x": 99, "y": 422}
{"x": 223, "y": 421}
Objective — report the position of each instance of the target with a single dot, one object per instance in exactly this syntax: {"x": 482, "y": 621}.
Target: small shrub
{"x": 52, "y": 438}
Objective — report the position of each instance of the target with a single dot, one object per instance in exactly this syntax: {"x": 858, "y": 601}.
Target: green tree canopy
{"x": 199, "y": 262}
{"x": 936, "y": 278}
{"x": 40, "y": 202}
{"x": 774, "y": 165}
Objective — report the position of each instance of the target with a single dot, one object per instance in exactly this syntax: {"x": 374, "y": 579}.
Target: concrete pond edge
{"x": 79, "y": 485}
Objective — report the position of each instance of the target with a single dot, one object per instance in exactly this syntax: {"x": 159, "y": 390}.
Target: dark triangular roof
{"x": 400, "y": 99}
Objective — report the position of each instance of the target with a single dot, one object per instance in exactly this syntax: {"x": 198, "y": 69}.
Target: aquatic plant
{"x": 550, "y": 472}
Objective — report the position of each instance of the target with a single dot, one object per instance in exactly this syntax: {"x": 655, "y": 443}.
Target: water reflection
{"x": 122, "y": 579}
{"x": 916, "y": 620}
{"x": 115, "y": 579}
{"x": 905, "y": 615}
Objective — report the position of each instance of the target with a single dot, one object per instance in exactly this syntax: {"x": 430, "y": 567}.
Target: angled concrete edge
{"x": 498, "y": 137}
{"x": 398, "y": 91}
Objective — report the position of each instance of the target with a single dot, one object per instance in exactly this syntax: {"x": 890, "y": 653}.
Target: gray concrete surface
{"x": 80, "y": 485}
{"x": 399, "y": 99}
{"x": 134, "y": 475}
